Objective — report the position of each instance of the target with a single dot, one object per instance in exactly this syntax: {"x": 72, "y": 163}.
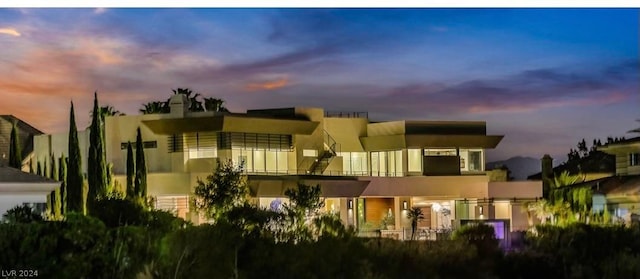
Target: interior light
{"x": 404, "y": 205}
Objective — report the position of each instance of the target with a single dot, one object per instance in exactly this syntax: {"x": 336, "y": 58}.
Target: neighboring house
{"x": 26, "y": 133}
{"x": 366, "y": 170}
{"x": 622, "y": 191}
{"x": 18, "y": 188}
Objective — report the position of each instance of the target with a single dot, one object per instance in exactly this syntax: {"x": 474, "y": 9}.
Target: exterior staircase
{"x": 331, "y": 149}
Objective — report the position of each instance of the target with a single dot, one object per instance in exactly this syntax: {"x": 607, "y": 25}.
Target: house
{"x": 26, "y": 133}
{"x": 18, "y": 188}
{"x": 366, "y": 170}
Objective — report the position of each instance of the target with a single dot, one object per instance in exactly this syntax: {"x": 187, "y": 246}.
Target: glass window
{"x": 375, "y": 165}
{"x": 346, "y": 162}
{"x": 271, "y": 161}
{"x": 414, "y": 160}
{"x": 310, "y": 153}
{"x": 258, "y": 160}
{"x": 359, "y": 164}
{"x": 440, "y": 152}
{"x": 475, "y": 160}
{"x": 283, "y": 160}
{"x": 634, "y": 159}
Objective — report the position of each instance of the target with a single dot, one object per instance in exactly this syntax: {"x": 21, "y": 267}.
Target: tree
{"x": 31, "y": 166}
{"x": 56, "y": 202}
{"x": 21, "y": 214}
{"x": 155, "y": 107}
{"x": 97, "y": 168}
{"x": 109, "y": 111}
{"x": 305, "y": 200}
{"x": 15, "y": 152}
{"x": 226, "y": 188}
{"x": 131, "y": 191}
{"x": 39, "y": 169}
{"x": 75, "y": 187}
{"x": 194, "y": 104}
{"x": 214, "y": 104}
{"x": 62, "y": 175}
{"x": 415, "y": 215}
{"x": 140, "y": 184}
{"x": 582, "y": 148}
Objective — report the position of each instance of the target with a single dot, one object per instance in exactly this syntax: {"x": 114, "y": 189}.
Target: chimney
{"x": 179, "y": 105}
{"x": 547, "y": 174}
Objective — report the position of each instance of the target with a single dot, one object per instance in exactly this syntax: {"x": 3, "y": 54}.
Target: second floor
{"x": 627, "y": 154}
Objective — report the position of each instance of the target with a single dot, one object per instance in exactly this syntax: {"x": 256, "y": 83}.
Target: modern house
{"x": 26, "y": 133}
{"x": 366, "y": 170}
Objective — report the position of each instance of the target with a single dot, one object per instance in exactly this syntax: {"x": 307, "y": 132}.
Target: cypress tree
{"x": 131, "y": 191}
{"x": 56, "y": 202}
{"x": 39, "y": 170}
{"x": 44, "y": 168}
{"x": 75, "y": 189}
{"x": 97, "y": 167}
{"x": 53, "y": 174}
{"x": 31, "y": 166}
{"x": 62, "y": 174}
{"x": 141, "y": 169}
{"x": 15, "y": 154}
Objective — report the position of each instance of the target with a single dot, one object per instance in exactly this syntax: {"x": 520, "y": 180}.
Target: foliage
{"x": 140, "y": 182}
{"x": 75, "y": 188}
{"x": 21, "y": 214}
{"x": 195, "y": 105}
{"x": 97, "y": 166}
{"x": 223, "y": 190}
{"x": 62, "y": 175}
{"x": 130, "y": 191}
{"x": 414, "y": 215}
{"x": 15, "y": 151}
{"x": 155, "y": 107}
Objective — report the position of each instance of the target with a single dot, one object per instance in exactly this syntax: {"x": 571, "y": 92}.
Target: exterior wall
{"x": 515, "y": 189}
{"x": 347, "y": 132}
{"x": 58, "y": 144}
{"x": 122, "y": 129}
{"x": 432, "y": 186}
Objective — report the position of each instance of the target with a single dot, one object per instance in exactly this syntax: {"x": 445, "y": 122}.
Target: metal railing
{"x": 350, "y": 114}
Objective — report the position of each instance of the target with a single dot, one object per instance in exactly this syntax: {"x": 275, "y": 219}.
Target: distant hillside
{"x": 520, "y": 167}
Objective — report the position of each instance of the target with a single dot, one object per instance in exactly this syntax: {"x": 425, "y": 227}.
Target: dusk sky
{"x": 544, "y": 78}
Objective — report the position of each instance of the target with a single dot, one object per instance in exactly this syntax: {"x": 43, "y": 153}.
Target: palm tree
{"x": 214, "y": 104}
{"x": 636, "y": 130}
{"x": 109, "y": 111}
{"x": 414, "y": 214}
{"x": 155, "y": 107}
{"x": 194, "y": 104}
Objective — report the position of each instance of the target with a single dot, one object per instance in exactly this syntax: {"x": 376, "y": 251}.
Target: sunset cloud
{"x": 268, "y": 85}
{"x": 10, "y": 32}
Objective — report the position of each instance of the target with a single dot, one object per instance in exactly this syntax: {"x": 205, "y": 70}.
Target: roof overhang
{"x": 275, "y": 186}
{"x": 28, "y": 188}
{"x": 230, "y": 123}
{"x": 421, "y": 141}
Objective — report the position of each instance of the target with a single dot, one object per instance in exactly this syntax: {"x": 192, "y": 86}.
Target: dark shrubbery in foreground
{"x": 159, "y": 245}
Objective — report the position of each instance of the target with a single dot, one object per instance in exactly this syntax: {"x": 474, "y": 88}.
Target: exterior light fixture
{"x": 404, "y": 205}
{"x": 350, "y": 204}
{"x": 481, "y": 210}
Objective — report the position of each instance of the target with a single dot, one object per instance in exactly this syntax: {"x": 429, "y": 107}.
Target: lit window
{"x": 310, "y": 153}
{"x": 414, "y": 160}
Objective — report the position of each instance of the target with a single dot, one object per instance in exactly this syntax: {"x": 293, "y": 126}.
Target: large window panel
{"x": 258, "y": 161}
{"x": 283, "y": 161}
{"x": 359, "y": 164}
{"x": 375, "y": 165}
{"x": 399, "y": 170}
{"x": 476, "y": 160}
{"x": 271, "y": 161}
{"x": 414, "y": 160}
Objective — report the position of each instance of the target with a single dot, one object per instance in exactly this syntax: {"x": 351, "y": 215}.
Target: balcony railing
{"x": 349, "y": 114}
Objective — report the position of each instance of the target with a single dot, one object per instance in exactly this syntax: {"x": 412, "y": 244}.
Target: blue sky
{"x": 545, "y": 78}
